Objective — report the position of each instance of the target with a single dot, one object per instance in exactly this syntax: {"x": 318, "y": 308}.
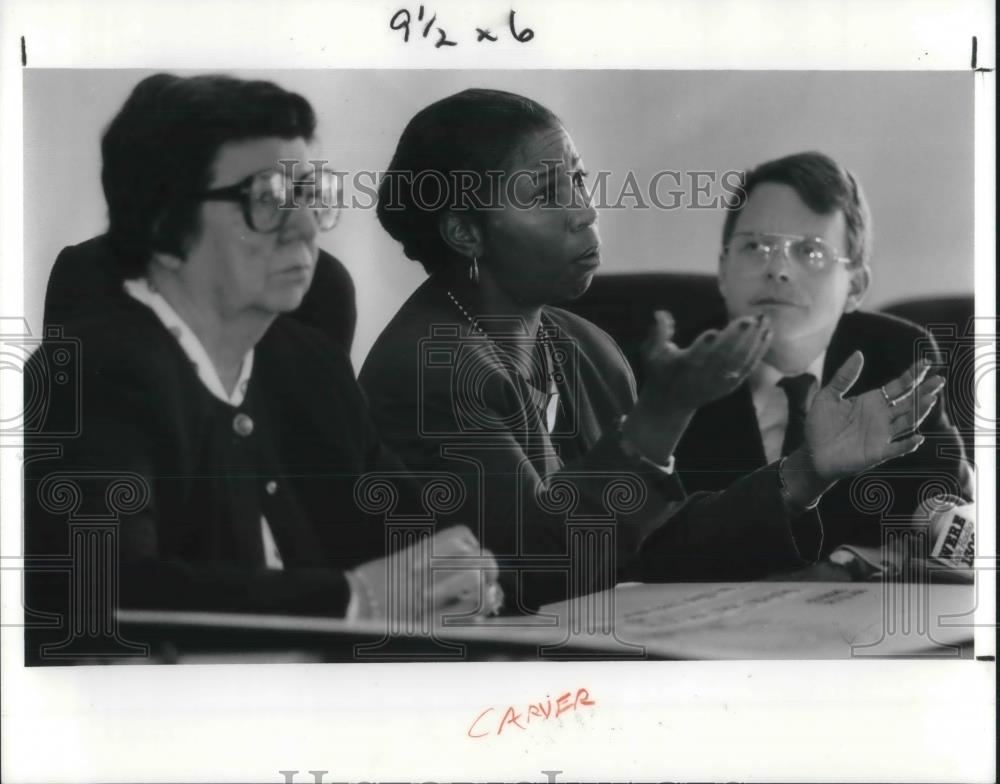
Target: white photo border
{"x": 776, "y": 721}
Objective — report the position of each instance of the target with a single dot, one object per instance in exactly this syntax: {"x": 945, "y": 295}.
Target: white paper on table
{"x": 765, "y": 620}
{"x": 784, "y": 620}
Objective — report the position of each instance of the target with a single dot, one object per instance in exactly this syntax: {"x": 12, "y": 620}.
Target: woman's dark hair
{"x": 160, "y": 148}
{"x": 824, "y": 186}
{"x": 473, "y": 131}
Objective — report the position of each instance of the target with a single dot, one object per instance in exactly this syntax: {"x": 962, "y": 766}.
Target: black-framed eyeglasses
{"x": 269, "y": 197}
{"x": 756, "y": 249}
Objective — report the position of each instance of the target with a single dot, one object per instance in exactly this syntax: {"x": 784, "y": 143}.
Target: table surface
{"x": 779, "y": 619}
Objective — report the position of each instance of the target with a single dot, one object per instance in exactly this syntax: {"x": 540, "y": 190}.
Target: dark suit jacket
{"x": 723, "y": 442}
{"x": 85, "y": 281}
{"x": 445, "y": 398}
{"x": 141, "y": 439}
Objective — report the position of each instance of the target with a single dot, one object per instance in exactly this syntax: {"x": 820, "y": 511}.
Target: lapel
{"x": 839, "y": 350}
{"x": 855, "y": 332}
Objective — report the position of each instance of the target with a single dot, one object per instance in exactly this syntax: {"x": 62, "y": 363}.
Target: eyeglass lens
{"x": 812, "y": 253}
{"x": 272, "y": 198}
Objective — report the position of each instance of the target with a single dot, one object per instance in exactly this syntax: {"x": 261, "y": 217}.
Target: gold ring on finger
{"x": 888, "y": 400}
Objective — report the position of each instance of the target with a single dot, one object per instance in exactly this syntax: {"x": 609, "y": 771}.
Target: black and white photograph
{"x": 518, "y": 403}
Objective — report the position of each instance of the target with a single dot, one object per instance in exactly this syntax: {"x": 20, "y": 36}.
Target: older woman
{"x": 242, "y": 433}
{"x": 536, "y": 408}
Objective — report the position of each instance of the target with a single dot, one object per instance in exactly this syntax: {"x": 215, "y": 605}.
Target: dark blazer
{"x": 723, "y": 442}
{"x": 194, "y": 475}
{"x": 446, "y": 398}
{"x": 85, "y": 281}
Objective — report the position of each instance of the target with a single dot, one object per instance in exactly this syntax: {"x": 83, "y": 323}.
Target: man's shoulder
{"x": 890, "y": 344}
{"x": 864, "y": 326}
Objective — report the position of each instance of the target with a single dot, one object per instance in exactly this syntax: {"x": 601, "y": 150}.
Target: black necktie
{"x": 797, "y": 390}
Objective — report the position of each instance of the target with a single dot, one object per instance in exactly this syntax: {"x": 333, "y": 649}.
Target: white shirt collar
{"x": 141, "y": 290}
{"x": 771, "y": 404}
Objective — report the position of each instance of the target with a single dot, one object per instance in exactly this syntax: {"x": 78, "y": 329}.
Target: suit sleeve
{"x": 743, "y": 532}
{"x": 533, "y": 519}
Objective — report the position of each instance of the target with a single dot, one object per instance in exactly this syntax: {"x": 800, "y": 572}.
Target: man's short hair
{"x": 160, "y": 148}
{"x": 824, "y": 186}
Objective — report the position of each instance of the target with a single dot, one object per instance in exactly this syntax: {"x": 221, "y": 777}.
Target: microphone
{"x": 952, "y": 529}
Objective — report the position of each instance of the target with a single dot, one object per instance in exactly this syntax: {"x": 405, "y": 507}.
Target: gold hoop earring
{"x": 474, "y": 271}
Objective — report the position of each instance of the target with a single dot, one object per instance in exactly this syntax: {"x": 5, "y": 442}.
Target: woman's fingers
{"x": 910, "y": 413}
{"x": 927, "y": 397}
{"x": 475, "y": 588}
{"x": 456, "y": 540}
{"x": 846, "y": 375}
{"x": 759, "y": 349}
{"x": 738, "y": 336}
{"x": 728, "y": 350}
{"x": 902, "y": 447}
{"x": 903, "y": 384}
{"x": 469, "y": 578}
{"x": 448, "y": 570}
{"x": 663, "y": 326}
{"x": 488, "y": 569}
{"x": 703, "y": 343}
{"x": 743, "y": 344}
{"x": 469, "y": 570}
{"x": 659, "y": 341}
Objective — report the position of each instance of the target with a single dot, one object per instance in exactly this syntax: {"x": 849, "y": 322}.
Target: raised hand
{"x": 462, "y": 582}
{"x": 679, "y": 381}
{"x": 711, "y": 367}
{"x": 845, "y": 436}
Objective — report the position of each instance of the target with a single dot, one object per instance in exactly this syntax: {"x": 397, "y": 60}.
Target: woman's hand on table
{"x": 462, "y": 580}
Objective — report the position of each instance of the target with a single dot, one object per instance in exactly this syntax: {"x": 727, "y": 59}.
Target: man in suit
{"x": 797, "y": 246}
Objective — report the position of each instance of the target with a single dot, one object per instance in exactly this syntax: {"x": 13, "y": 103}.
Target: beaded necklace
{"x": 551, "y": 405}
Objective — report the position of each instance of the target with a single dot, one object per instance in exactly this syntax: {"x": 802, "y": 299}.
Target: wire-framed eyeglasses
{"x": 757, "y": 249}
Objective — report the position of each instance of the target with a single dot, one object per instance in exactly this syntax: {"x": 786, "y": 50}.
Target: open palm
{"x": 845, "y": 436}
{"x": 711, "y": 367}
